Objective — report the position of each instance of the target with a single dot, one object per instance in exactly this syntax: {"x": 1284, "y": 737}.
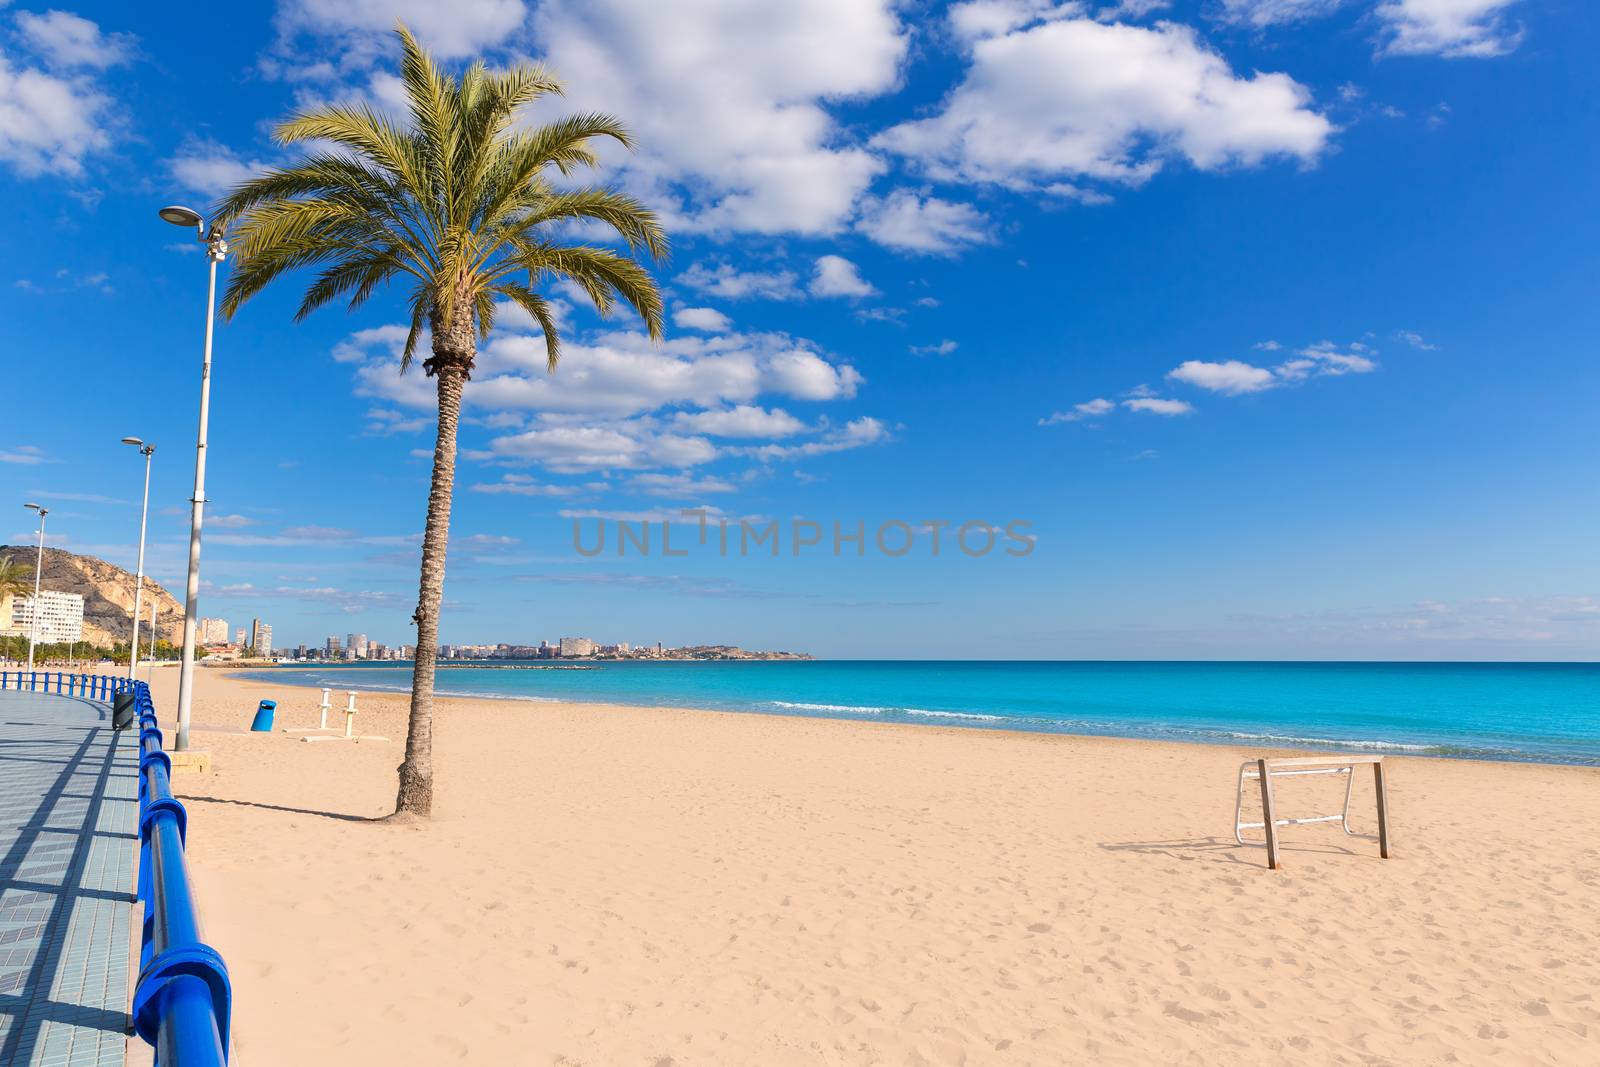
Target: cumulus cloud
{"x": 459, "y": 28}
{"x": 1454, "y": 29}
{"x": 571, "y": 449}
{"x": 1231, "y": 377}
{"x": 51, "y": 121}
{"x": 1156, "y": 405}
{"x": 910, "y": 222}
{"x": 745, "y": 420}
{"x": 731, "y": 100}
{"x": 731, "y": 283}
{"x": 708, "y": 319}
{"x": 613, "y": 374}
{"x": 837, "y": 276}
{"x": 211, "y": 168}
{"x": 1070, "y": 97}
{"x": 66, "y": 40}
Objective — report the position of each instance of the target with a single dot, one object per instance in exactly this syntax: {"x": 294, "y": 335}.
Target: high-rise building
{"x": 261, "y": 637}
{"x": 332, "y": 647}
{"x": 357, "y": 644}
{"x": 241, "y": 637}
{"x": 60, "y": 617}
{"x": 576, "y": 646}
{"x": 213, "y": 632}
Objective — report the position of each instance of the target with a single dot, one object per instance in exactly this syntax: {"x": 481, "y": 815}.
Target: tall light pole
{"x": 145, "y": 450}
{"x": 38, "y": 569}
{"x": 216, "y": 249}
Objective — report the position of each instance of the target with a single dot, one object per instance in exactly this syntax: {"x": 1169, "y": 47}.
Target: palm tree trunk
{"x": 416, "y": 773}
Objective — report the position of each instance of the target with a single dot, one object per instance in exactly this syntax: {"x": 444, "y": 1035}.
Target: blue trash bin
{"x": 263, "y": 720}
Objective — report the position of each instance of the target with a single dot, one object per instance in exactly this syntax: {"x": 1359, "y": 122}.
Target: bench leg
{"x": 1266, "y": 815}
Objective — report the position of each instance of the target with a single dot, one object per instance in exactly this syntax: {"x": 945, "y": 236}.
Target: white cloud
{"x": 807, "y": 376}
{"x": 679, "y": 485}
{"x": 1078, "y": 98}
{"x": 1155, "y": 405}
{"x": 1231, "y": 377}
{"x": 745, "y": 420}
{"x": 708, "y": 319}
{"x": 458, "y": 28}
{"x": 212, "y": 169}
{"x": 857, "y": 433}
{"x": 1451, "y": 28}
{"x": 1415, "y": 340}
{"x": 727, "y": 281}
{"x": 1089, "y": 409}
{"x": 837, "y": 276}
{"x": 909, "y": 222}
{"x": 1263, "y": 13}
{"x": 615, "y": 374}
{"x": 1326, "y": 359}
{"x": 523, "y": 485}
{"x": 943, "y": 348}
{"x": 67, "y": 40}
{"x": 730, "y": 100}
{"x": 50, "y": 123}
{"x": 23, "y": 455}
{"x": 571, "y": 449}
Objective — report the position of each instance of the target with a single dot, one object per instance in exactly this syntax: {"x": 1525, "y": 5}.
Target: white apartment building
{"x": 60, "y": 617}
{"x": 213, "y": 631}
{"x": 261, "y": 637}
{"x": 577, "y": 646}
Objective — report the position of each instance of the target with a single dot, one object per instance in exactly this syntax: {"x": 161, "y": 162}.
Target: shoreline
{"x": 971, "y": 722}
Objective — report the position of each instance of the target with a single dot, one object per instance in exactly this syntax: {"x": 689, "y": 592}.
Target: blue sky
{"x": 1275, "y": 319}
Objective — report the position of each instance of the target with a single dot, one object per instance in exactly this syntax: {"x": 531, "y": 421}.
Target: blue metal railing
{"x": 93, "y": 686}
{"x": 182, "y": 1002}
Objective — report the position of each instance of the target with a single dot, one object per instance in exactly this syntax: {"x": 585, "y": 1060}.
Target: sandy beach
{"x": 609, "y": 886}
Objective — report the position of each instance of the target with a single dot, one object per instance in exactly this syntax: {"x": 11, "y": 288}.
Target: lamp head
{"x": 132, "y": 441}
{"x": 181, "y": 216}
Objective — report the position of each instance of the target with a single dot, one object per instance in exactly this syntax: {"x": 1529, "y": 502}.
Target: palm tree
{"x": 14, "y": 578}
{"x": 461, "y": 206}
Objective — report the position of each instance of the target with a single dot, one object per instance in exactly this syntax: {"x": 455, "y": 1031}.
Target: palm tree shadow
{"x": 338, "y": 815}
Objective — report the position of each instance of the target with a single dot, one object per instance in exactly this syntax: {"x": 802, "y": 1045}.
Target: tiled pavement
{"x": 68, "y": 839}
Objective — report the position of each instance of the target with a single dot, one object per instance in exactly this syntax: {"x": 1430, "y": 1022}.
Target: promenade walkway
{"x": 69, "y": 815}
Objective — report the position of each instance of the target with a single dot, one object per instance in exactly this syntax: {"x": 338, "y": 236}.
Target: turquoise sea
{"x": 1547, "y": 712}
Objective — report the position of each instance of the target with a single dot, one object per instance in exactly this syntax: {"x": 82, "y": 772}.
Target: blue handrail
{"x": 183, "y": 1001}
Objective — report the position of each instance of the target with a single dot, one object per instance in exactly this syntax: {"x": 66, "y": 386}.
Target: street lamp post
{"x": 145, "y": 450}
{"x": 150, "y": 671}
{"x": 38, "y": 569}
{"x": 216, "y": 249}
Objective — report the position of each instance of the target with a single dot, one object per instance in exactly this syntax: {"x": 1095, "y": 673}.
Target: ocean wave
{"x": 1339, "y": 742}
{"x": 853, "y": 709}
{"x": 969, "y": 716}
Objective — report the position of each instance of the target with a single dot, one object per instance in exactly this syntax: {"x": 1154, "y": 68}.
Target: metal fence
{"x": 182, "y": 1001}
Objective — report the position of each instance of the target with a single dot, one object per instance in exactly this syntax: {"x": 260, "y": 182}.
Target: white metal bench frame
{"x": 1264, "y": 771}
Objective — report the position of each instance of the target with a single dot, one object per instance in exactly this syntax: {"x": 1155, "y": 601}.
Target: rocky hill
{"x": 107, "y": 592}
